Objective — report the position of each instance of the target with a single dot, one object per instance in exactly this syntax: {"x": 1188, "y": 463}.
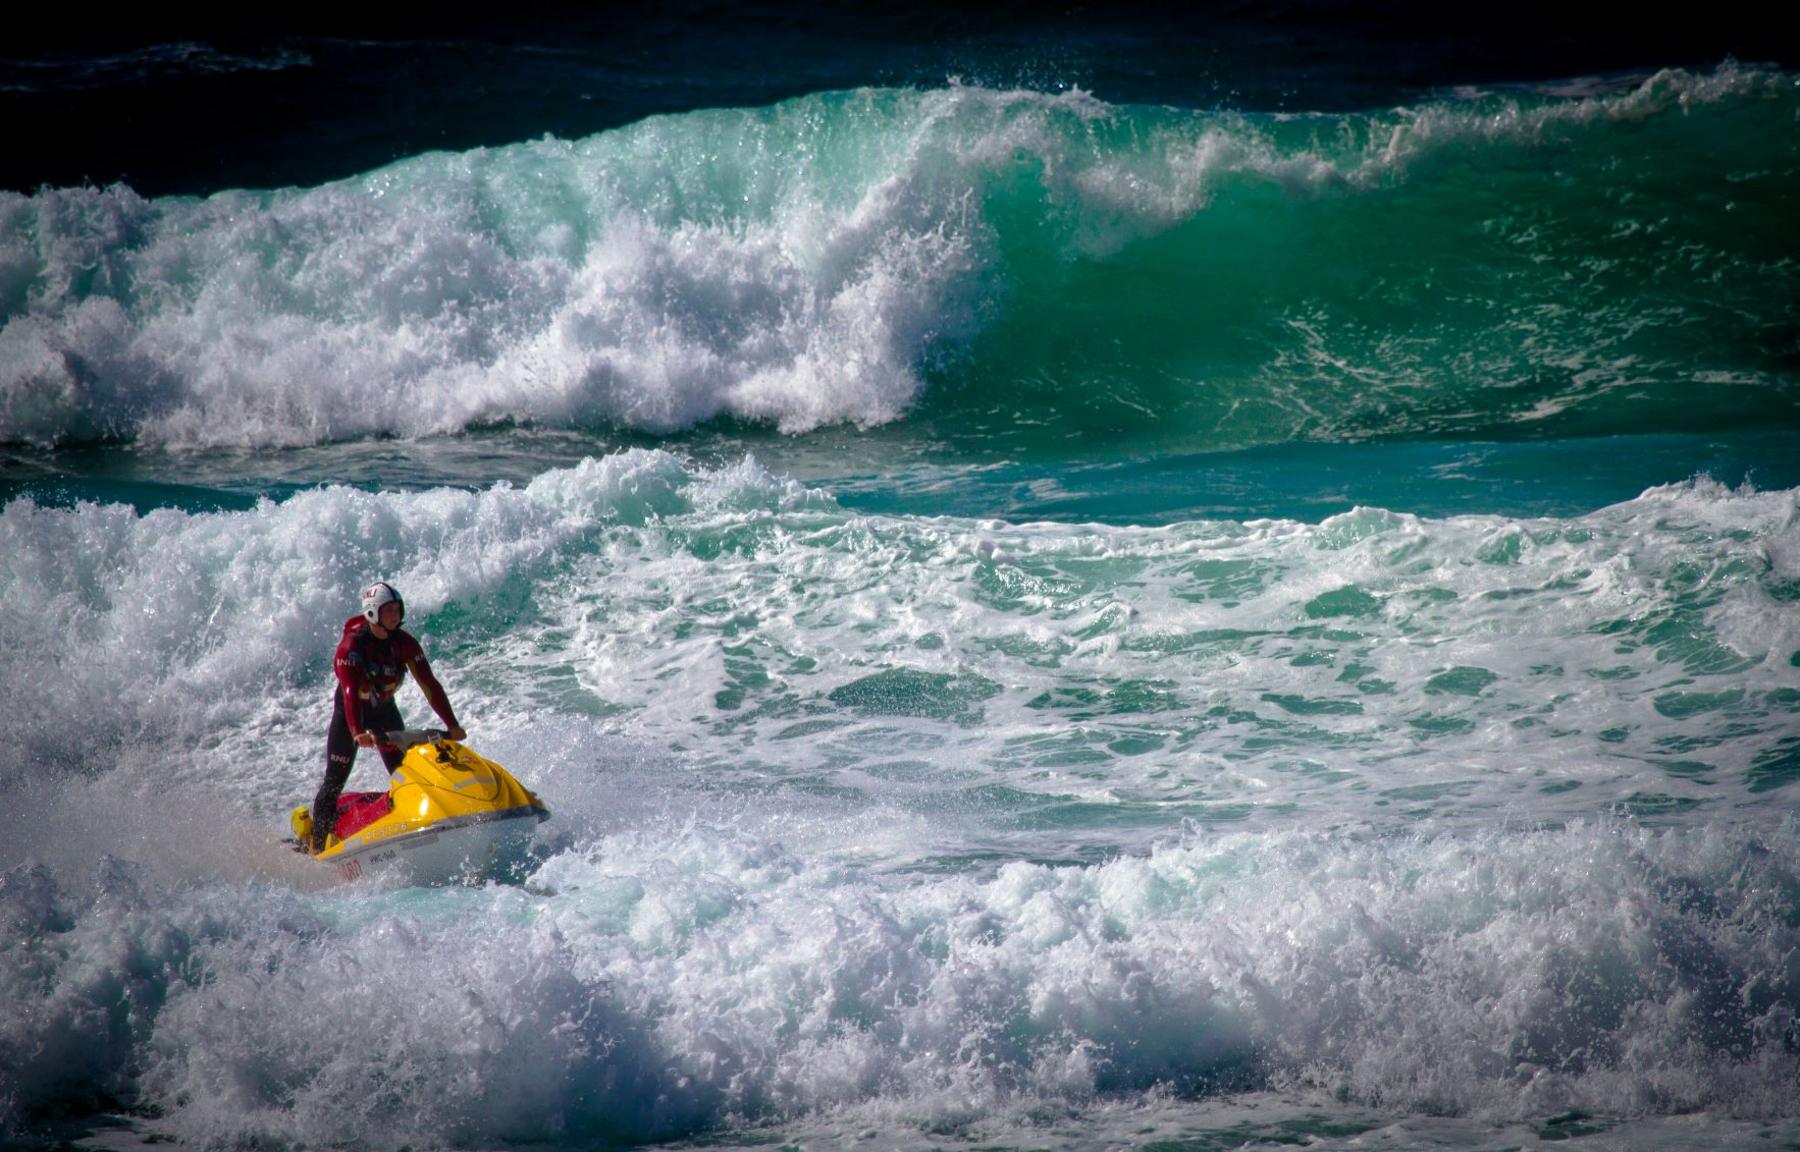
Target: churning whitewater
{"x": 951, "y": 822}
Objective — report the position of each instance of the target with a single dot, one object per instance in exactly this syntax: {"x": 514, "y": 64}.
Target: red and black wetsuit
{"x": 369, "y": 671}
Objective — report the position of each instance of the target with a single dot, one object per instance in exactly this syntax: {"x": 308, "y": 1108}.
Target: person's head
{"x": 382, "y": 606}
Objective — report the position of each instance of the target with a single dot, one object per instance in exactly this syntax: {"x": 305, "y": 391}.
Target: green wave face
{"x": 1496, "y": 269}
{"x": 1003, "y": 272}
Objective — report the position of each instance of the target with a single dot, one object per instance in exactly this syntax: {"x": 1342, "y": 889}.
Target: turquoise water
{"x": 1041, "y": 622}
{"x": 1006, "y": 274}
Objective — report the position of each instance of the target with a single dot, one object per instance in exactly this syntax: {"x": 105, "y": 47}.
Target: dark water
{"x": 177, "y": 104}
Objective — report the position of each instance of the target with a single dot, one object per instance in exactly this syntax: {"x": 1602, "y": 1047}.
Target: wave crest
{"x": 828, "y": 259}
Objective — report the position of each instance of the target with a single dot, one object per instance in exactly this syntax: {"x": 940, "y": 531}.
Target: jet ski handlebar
{"x": 408, "y": 737}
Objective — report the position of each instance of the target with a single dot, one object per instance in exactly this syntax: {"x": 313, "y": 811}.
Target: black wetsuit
{"x": 340, "y": 757}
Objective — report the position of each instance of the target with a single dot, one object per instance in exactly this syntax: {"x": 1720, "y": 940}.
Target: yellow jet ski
{"x": 448, "y": 815}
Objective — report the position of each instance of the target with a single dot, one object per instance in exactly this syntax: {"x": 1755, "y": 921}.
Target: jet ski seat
{"x": 358, "y": 810}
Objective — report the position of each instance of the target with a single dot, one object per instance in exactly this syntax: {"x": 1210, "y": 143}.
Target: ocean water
{"x": 1063, "y": 592}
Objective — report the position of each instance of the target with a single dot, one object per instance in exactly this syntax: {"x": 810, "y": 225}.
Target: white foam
{"x": 717, "y": 610}
{"x": 661, "y": 981}
{"x": 175, "y": 629}
{"x": 657, "y": 276}
{"x": 801, "y": 761}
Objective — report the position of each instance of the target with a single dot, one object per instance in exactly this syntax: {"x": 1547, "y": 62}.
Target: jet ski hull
{"x": 449, "y": 815}
{"x": 449, "y": 852}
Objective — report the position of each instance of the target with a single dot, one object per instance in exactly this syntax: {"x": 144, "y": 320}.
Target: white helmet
{"x": 377, "y": 594}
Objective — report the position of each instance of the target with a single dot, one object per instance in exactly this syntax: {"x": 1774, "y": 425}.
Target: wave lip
{"x": 831, "y": 259}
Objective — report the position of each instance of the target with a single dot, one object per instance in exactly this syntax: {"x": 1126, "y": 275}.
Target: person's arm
{"x": 434, "y": 692}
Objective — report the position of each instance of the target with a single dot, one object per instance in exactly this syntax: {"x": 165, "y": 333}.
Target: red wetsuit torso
{"x": 370, "y": 670}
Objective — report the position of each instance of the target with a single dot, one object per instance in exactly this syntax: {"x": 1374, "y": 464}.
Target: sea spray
{"x": 1100, "y": 680}
{"x": 1507, "y": 263}
{"x": 656, "y": 982}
